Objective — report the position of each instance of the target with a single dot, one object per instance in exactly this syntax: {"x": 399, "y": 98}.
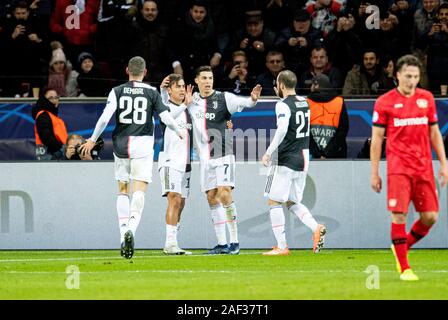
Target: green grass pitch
{"x": 331, "y": 274}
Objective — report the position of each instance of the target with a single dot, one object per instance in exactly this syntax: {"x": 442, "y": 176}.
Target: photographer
{"x": 72, "y": 152}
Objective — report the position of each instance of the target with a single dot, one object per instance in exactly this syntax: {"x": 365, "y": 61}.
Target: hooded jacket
{"x": 335, "y": 146}
{"x": 44, "y": 125}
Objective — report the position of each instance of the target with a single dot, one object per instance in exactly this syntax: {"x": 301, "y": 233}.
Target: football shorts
{"x": 218, "y": 173}
{"x": 173, "y": 180}
{"x": 133, "y": 169}
{"x": 421, "y": 190}
{"x": 283, "y": 184}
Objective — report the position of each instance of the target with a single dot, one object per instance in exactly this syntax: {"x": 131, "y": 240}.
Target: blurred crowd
{"x": 81, "y": 47}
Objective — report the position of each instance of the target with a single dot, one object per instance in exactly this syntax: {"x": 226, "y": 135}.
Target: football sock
{"x": 219, "y": 223}
{"x": 278, "y": 225}
{"x": 137, "y": 204}
{"x": 123, "y": 213}
{"x": 418, "y": 231}
{"x": 231, "y": 222}
{"x": 304, "y": 215}
{"x": 171, "y": 235}
{"x": 399, "y": 240}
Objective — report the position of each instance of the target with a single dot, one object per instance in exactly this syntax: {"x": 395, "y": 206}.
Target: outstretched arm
{"x": 237, "y": 104}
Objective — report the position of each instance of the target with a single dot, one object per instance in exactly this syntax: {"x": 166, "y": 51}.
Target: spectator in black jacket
{"x": 91, "y": 81}
{"x": 297, "y": 41}
{"x": 328, "y": 120}
{"x": 237, "y": 76}
{"x": 268, "y": 79}
{"x": 193, "y": 42}
{"x": 152, "y": 42}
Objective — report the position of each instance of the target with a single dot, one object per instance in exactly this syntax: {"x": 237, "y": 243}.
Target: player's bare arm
{"x": 375, "y": 156}
{"x": 437, "y": 143}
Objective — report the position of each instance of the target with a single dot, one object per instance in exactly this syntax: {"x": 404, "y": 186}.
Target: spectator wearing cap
{"x": 324, "y": 14}
{"x": 91, "y": 81}
{"x": 329, "y": 122}
{"x": 255, "y": 39}
{"x": 343, "y": 44}
{"x": 193, "y": 42}
{"x": 268, "y": 79}
{"x": 61, "y": 77}
{"x": 320, "y": 65}
{"x": 367, "y": 78}
{"x": 297, "y": 41}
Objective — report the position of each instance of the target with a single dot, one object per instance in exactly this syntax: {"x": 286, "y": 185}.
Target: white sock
{"x": 231, "y": 222}
{"x": 304, "y": 215}
{"x": 137, "y": 204}
{"x": 171, "y": 235}
{"x": 278, "y": 225}
{"x": 219, "y": 223}
{"x": 123, "y": 213}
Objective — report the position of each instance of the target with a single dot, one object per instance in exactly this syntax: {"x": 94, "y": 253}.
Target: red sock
{"x": 399, "y": 240}
{"x": 418, "y": 231}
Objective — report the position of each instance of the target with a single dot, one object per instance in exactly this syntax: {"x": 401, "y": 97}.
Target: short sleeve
{"x": 379, "y": 117}
{"x": 432, "y": 111}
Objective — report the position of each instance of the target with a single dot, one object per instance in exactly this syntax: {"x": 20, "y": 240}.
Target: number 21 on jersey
{"x": 303, "y": 122}
{"x": 135, "y": 108}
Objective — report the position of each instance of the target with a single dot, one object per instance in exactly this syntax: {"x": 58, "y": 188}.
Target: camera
{"x": 94, "y": 153}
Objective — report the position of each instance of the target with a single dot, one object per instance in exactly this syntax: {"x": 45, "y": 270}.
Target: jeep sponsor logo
{"x": 206, "y": 115}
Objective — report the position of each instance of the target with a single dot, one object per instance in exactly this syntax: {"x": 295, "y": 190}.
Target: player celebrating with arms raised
{"x": 408, "y": 115}
{"x": 210, "y": 112}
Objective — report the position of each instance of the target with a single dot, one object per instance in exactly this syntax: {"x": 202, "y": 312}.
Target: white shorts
{"x": 133, "y": 169}
{"x": 218, "y": 173}
{"x": 173, "y": 180}
{"x": 285, "y": 184}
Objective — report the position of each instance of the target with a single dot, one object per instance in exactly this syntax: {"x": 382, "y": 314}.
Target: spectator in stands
{"x": 386, "y": 40}
{"x": 320, "y": 65}
{"x": 25, "y": 49}
{"x": 404, "y": 11}
{"x": 222, "y": 12}
{"x": 328, "y": 120}
{"x": 61, "y": 77}
{"x": 50, "y": 130}
{"x": 358, "y": 9}
{"x": 274, "y": 64}
{"x": 390, "y": 81}
{"x": 343, "y": 44}
{"x": 438, "y": 51}
{"x": 324, "y": 14}
{"x": 237, "y": 77}
{"x": 367, "y": 78}
{"x": 91, "y": 81}
{"x": 423, "y": 21}
{"x": 193, "y": 42}
{"x": 280, "y": 13}
{"x": 151, "y": 42}
{"x": 115, "y": 38}
{"x": 255, "y": 40}
{"x": 297, "y": 41}
{"x": 75, "y": 32}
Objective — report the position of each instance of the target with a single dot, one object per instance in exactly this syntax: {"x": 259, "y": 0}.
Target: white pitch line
{"x": 138, "y": 257}
{"x": 209, "y": 271}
